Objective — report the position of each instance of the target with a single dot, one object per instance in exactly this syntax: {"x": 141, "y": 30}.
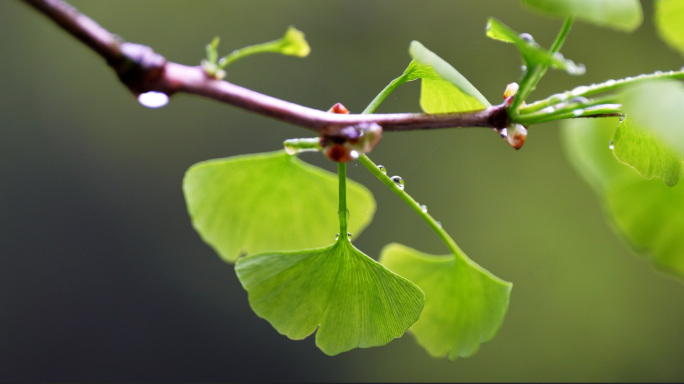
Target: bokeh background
{"x": 103, "y": 278}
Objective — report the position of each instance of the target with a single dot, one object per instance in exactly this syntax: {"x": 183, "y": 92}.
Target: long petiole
{"x": 534, "y": 74}
{"x": 342, "y": 211}
{"x": 420, "y": 210}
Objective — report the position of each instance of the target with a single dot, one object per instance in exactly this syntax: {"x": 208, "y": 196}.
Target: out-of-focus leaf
{"x": 648, "y": 154}
{"x": 646, "y": 213}
{"x": 269, "y": 202}
{"x": 464, "y": 304}
{"x": 532, "y": 53}
{"x": 669, "y": 19}
{"x": 353, "y": 300}
{"x": 624, "y": 15}
{"x": 443, "y": 88}
{"x": 656, "y": 106}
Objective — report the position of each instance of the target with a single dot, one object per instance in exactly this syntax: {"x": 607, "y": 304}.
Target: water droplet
{"x": 423, "y": 208}
{"x": 153, "y": 99}
{"x": 548, "y": 110}
{"x": 580, "y": 90}
{"x": 398, "y": 181}
{"x": 557, "y": 98}
{"x": 349, "y": 236}
{"x": 578, "y": 112}
{"x": 354, "y": 154}
{"x": 439, "y": 224}
{"x": 611, "y": 146}
{"x": 610, "y": 82}
{"x": 658, "y": 73}
{"x": 503, "y": 132}
{"x": 524, "y": 68}
{"x": 337, "y": 236}
{"x": 579, "y": 100}
{"x": 290, "y": 150}
{"x": 527, "y": 37}
{"x": 382, "y": 169}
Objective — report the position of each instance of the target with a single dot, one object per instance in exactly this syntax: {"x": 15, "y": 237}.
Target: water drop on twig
{"x": 153, "y": 99}
{"x": 398, "y": 181}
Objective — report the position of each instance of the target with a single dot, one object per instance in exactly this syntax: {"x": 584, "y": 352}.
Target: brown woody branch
{"x": 142, "y": 70}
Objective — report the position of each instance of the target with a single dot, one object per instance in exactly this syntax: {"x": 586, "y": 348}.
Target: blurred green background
{"x": 103, "y": 278}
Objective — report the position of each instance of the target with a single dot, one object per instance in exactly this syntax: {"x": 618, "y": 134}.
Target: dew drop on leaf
{"x": 399, "y": 182}
{"x": 153, "y": 99}
{"x": 578, "y": 112}
{"x": 611, "y": 146}
{"x": 527, "y": 37}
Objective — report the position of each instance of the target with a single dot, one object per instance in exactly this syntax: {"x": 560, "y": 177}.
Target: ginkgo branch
{"x": 143, "y": 70}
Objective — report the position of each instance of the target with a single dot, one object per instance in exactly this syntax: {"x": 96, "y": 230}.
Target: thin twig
{"x": 143, "y": 70}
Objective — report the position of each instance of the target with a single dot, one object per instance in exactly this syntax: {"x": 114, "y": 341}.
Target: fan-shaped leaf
{"x": 356, "y": 302}
{"x": 647, "y": 213}
{"x": 656, "y": 106}
{"x": 464, "y": 303}
{"x": 648, "y": 154}
{"x": 268, "y": 202}
{"x": 443, "y": 88}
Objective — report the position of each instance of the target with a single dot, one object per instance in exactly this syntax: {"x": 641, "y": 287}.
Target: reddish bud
{"x": 339, "y": 108}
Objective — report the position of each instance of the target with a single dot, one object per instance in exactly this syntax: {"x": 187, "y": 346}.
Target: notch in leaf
{"x": 464, "y": 304}
{"x": 354, "y": 301}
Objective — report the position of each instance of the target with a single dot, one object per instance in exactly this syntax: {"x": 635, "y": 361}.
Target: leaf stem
{"x": 594, "y": 89}
{"x": 373, "y": 168}
{"x": 342, "y": 212}
{"x": 534, "y": 74}
{"x": 431, "y": 222}
{"x": 394, "y": 84}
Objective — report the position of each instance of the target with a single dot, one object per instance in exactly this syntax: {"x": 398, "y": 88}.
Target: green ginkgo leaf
{"x": 532, "y": 53}
{"x": 656, "y": 106}
{"x": 464, "y": 304}
{"x": 266, "y": 202}
{"x": 669, "y": 19}
{"x": 647, "y": 213}
{"x": 624, "y": 15}
{"x": 354, "y": 301}
{"x": 443, "y": 88}
{"x": 648, "y": 154}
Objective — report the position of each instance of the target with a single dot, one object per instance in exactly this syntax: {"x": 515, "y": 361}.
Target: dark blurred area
{"x": 102, "y": 277}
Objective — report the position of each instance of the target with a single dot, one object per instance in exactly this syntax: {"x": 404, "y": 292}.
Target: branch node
{"x": 140, "y": 68}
